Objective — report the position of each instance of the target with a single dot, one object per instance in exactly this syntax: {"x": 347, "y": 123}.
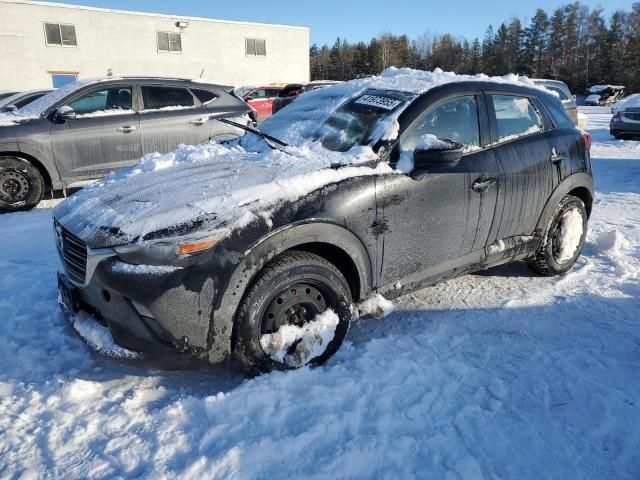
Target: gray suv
{"x": 90, "y": 127}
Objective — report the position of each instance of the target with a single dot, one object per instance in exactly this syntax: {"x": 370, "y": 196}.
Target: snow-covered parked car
{"x": 256, "y": 249}
{"x": 601, "y": 95}
{"x": 21, "y": 99}
{"x": 87, "y": 128}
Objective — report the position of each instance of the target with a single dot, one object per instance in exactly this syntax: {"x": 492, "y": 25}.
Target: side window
{"x": 155, "y": 98}
{"x": 272, "y": 93}
{"x": 260, "y": 94}
{"x": 205, "y": 96}
{"x": 114, "y": 100}
{"x": 515, "y": 116}
{"x": 455, "y": 119}
{"x": 559, "y": 116}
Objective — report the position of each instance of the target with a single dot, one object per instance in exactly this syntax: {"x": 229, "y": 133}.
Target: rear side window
{"x": 259, "y": 94}
{"x": 164, "y": 97}
{"x": 205, "y": 96}
{"x": 559, "y": 116}
{"x": 112, "y": 99}
{"x": 515, "y": 116}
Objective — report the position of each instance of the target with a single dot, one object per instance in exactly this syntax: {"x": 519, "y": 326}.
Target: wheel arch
{"x": 44, "y": 165}
{"x": 580, "y": 185}
{"x": 333, "y": 242}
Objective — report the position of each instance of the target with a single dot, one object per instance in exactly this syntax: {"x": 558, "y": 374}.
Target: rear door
{"x": 171, "y": 115}
{"x": 526, "y": 170}
{"x": 105, "y": 134}
{"x": 435, "y": 223}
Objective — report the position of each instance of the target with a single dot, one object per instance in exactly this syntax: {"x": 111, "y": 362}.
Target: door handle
{"x": 199, "y": 121}
{"x": 483, "y": 184}
{"x": 557, "y": 157}
{"x": 127, "y": 129}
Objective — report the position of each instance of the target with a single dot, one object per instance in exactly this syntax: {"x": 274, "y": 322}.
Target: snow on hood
{"x": 233, "y": 184}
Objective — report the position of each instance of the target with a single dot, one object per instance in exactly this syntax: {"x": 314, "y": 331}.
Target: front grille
{"x": 73, "y": 253}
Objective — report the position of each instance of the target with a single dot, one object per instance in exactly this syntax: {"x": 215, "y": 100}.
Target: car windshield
{"x": 339, "y": 122}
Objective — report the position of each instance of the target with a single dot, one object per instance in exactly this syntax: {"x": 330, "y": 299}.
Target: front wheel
{"x": 21, "y": 185}
{"x": 296, "y": 313}
{"x": 563, "y": 240}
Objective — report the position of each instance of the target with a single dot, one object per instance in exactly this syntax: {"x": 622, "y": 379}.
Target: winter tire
{"x": 563, "y": 239}
{"x": 21, "y": 185}
{"x": 292, "y": 290}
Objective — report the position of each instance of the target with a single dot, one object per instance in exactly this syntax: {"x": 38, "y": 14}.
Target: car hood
{"x": 208, "y": 187}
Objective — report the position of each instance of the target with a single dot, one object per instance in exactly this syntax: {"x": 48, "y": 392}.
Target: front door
{"x": 103, "y": 136}
{"x": 435, "y": 223}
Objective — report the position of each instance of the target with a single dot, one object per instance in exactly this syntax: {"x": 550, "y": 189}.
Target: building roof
{"x": 161, "y": 15}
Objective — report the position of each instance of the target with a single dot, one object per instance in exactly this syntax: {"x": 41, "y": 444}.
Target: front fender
{"x": 270, "y": 246}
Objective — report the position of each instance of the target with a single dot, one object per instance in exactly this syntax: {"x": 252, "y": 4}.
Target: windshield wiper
{"x": 268, "y": 139}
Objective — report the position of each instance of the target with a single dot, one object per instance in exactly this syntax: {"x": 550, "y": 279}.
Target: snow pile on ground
{"x": 308, "y": 341}
{"x": 570, "y": 234}
{"x": 98, "y": 337}
{"x": 501, "y": 374}
{"x": 375, "y": 306}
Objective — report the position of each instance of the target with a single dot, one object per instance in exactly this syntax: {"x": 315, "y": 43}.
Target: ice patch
{"x": 310, "y": 340}
{"x": 571, "y": 229}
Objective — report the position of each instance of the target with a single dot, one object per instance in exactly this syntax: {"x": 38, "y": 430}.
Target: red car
{"x": 261, "y": 100}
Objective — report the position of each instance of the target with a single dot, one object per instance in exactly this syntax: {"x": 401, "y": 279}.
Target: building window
{"x": 256, "y": 47}
{"x": 169, "y": 42}
{"x": 60, "y": 79}
{"x": 60, "y": 34}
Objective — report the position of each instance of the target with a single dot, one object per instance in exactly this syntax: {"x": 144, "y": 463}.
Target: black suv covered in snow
{"x": 256, "y": 249}
{"x": 87, "y": 128}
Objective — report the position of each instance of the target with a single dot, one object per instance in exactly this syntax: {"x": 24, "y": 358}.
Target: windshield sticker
{"x": 376, "y": 101}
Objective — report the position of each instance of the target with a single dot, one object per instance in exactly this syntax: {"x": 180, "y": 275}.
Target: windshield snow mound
{"x": 234, "y": 184}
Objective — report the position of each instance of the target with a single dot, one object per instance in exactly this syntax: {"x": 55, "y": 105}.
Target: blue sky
{"x": 359, "y": 19}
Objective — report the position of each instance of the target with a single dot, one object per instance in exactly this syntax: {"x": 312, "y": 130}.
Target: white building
{"x": 48, "y": 44}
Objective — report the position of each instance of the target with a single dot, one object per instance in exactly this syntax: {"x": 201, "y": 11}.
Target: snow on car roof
{"x": 233, "y": 185}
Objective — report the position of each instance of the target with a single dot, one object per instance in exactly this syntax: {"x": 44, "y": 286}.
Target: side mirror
{"x": 9, "y": 108}
{"x": 432, "y": 151}
{"x": 65, "y": 113}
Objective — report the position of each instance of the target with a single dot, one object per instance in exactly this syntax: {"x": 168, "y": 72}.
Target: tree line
{"x": 574, "y": 43}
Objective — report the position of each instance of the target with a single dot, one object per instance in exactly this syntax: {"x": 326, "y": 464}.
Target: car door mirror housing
{"x": 65, "y": 113}
{"x": 437, "y": 152}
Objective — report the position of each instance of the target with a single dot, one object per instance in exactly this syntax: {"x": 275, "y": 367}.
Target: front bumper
{"x": 153, "y": 310}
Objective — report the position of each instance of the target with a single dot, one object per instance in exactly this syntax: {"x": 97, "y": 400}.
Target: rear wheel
{"x": 21, "y": 185}
{"x": 296, "y": 313}
{"x": 563, "y": 240}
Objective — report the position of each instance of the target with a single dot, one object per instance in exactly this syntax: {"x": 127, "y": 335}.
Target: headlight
{"x": 170, "y": 251}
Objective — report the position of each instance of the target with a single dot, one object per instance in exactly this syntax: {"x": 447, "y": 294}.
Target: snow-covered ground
{"x": 502, "y": 374}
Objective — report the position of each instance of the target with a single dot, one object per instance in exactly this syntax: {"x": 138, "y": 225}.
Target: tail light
{"x": 587, "y": 139}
